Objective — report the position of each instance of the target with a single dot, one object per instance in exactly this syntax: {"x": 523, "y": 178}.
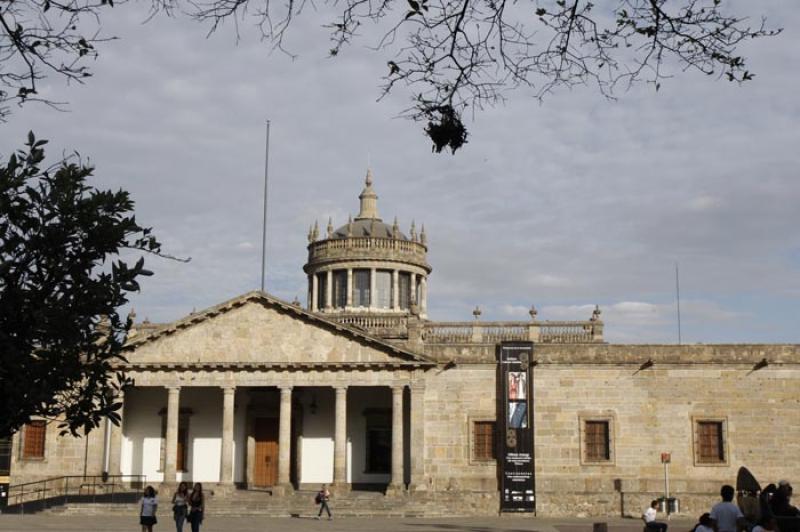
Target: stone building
{"x": 360, "y": 389}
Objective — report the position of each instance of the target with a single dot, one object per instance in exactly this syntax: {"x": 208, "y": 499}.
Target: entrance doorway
{"x": 265, "y": 467}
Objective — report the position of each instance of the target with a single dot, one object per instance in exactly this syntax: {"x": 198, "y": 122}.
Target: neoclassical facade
{"x": 361, "y": 390}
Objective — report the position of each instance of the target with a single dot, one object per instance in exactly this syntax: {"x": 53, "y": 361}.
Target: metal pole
{"x": 678, "y": 295}
{"x": 264, "y": 223}
{"x": 666, "y": 487}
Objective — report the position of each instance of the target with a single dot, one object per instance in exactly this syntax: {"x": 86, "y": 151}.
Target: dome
{"x": 373, "y": 227}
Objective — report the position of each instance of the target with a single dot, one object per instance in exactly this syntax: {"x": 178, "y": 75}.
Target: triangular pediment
{"x": 258, "y": 329}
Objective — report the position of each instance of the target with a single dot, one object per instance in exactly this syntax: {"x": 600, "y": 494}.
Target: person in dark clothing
{"x": 780, "y": 503}
{"x": 322, "y": 498}
{"x": 197, "y": 507}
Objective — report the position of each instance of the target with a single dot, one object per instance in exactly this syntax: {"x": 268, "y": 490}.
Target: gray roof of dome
{"x": 363, "y": 227}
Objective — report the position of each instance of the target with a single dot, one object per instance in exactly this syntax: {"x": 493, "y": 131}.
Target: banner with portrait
{"x": 515, "y": 426}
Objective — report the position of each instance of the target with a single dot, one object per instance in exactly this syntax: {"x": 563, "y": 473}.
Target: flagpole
{"x": 264, "y": 222}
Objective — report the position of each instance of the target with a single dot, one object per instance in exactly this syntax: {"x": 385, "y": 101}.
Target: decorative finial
{"x": 349, "y": 225}
{"x": 369, "y": 200}
{"x": 533, "y": 312}
{"x": 315, "y": 231}
{"x": 395, "y": 229}
{"x": 422, "y": 237}
{"x": 330, "y": 227}
{"x": 596, "y": 313}
{"x": 477, "y": 312}
{"x": 310, "y": 234}
{"x": 295, "y": 301}
{"x": 132, "y": 315}
{"x": 413, "y": 231}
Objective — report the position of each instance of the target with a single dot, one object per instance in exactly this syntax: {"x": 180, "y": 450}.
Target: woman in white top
{"x": 147, "y": 509}
{"x": 180, "y": 505}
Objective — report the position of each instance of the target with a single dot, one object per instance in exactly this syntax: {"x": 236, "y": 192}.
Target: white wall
{"x": 141, "y": 444}
{"x": 316, "y": 436}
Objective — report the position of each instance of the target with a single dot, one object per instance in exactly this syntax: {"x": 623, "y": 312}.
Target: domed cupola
{"x": 366, "y": 265}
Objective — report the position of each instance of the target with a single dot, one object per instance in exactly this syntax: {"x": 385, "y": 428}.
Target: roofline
{"x": 258, "y": 295}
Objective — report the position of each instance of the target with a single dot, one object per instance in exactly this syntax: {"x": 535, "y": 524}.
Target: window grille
{"x": 710, "y": 442}
{"x": 598, "y": 442}
{"x": 404, "y": 288}
{"x": 361, "y": 288}
{"x": 34, "y": 439}
{"x": 340, "y": 288}
{"x": 383, "y": 287}
{"x": 484, "y": 446}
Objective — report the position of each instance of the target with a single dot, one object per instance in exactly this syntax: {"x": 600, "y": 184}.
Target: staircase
{"x": 301, "y": 504}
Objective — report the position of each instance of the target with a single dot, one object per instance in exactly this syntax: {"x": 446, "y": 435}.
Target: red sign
{"x": 666, "y": 458}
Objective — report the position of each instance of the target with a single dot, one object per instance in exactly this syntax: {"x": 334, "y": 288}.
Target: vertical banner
{"x": 515, "y": 426}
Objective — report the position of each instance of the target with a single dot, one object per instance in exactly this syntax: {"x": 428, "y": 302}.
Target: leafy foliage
{"x": 451, "y": 54}
{"x": 61, "y": 285}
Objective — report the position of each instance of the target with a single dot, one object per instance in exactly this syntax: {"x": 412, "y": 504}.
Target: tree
{"x": 62, "y": 283}
{"x": 452, "y": 54}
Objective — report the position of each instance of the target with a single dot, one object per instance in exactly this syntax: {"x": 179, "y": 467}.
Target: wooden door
{"x": 265, "y": 469}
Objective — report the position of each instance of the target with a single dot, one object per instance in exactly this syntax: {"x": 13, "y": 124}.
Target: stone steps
{"x": 301, "y": 504}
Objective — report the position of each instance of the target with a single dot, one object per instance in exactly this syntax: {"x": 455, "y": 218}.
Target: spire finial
{"x": 413, "y": 231}
{"x": 315, "y": 231}
{"x": 395, "y": 229}
{"x": 369, "y": 200}
{"x": 330, "y": 227}
{"x": 422, "y": 237}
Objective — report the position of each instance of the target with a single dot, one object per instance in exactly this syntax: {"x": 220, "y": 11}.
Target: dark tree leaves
{"x": 445, "y": 128}
{"x": 62, "y": 283}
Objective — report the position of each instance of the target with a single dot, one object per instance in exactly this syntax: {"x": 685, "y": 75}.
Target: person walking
{"x": 197, "y": 507}
{"x": 322, "y": 498}
{"x": 649, "y": 517}
{"x": 726, "y": 515}
{"x": 180, "y": 505}
{"x": 147, "y": 509}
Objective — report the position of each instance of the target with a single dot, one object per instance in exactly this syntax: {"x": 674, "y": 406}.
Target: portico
{"x": 275, "y": 415}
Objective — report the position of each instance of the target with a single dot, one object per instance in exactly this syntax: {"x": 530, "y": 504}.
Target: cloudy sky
{"x": 566, "y": 204}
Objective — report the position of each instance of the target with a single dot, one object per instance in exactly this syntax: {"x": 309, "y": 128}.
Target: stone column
{"x": 413, "y": 295}
{"x": 423, "y": 297}
{"x": 226, "y": 461}
{"x": 314, "y": 292}
{"x": 340, "y": 439}
{"x": 395, "y": 290}
{"x": 349, "y": 287}
{"x": 171, "y": 444}
{"x": 373, "y": 297}
{"x": 329, "y": 291}
{"x": 418, "y": 481}
{"x": 115, "y": 458}
{"x": 285, "y": 436}
{"x": 397, "y": 439}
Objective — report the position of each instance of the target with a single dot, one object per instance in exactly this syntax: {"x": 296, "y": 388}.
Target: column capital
{"x": 228, "y": 389}
{"x": 285, "y": 388}
{"x": 398, "y": 388}
{"x": 340, "y": 388}
{"x": 173, "y": 388}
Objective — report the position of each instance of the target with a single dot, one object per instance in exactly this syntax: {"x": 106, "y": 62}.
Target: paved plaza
{"x": 306, "y": 524}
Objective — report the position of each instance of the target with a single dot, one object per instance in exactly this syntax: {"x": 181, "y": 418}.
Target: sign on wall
{"x": 515, "y": 427}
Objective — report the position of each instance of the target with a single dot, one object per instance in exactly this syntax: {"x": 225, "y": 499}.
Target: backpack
{"x": 318, "y": 498}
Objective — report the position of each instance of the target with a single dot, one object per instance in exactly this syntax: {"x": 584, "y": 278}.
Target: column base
{"x": 395, "y": 490}
{"x": 282, "y": 490}
{"x": 341, "y": 488}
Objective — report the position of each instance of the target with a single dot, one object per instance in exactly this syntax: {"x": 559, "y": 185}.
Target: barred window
{"x": 710, "y": 442}
{"x": 383, "y": 287}
{"x": 484, "y": 446}
{"x": 404, "y": 288}
{"x": 361, "y": 288}
{"x": 34, "y": 439}
{"x": 597, "y": 438}
{"x": 322, "y": 289}
{"x": 340, "y": 288}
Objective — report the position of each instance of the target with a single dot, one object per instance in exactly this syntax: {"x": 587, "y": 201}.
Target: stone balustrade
{"x": 368, "y": 248}
{"x": 477, "y": 332}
